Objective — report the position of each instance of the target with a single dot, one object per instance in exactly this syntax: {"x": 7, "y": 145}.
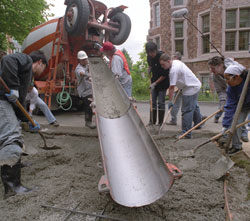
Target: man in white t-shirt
{"x": 184, "y": 79}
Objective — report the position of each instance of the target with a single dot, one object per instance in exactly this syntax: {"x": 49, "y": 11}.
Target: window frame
{"x": 205, "y": 37}
{"x": 237, "y": 30}
{"x": 179, "y": 38}
{"x": 156, "y": 22}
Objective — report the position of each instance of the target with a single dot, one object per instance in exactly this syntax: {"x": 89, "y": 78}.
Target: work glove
{"x": 152, "y": 86}
{"x": 12, "y": 96}
{"x": 170, "y": 104}
{"x": 34, "y": 128}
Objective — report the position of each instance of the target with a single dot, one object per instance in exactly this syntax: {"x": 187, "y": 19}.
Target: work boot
{"x": 161, "y": 114}
{"x": 90, "y": 125}
{"x": 233, "y": 151}
{"x": 55, "y": 124}
{"x": 245, "y": 138}
{"x": 11, "y": 178}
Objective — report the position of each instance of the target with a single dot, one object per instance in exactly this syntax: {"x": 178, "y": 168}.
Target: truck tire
{"x": 76, "y": 17}
{"x": 124, "y": 28}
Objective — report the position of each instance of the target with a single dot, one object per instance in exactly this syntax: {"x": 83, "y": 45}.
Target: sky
{"x": 139, "y": 13}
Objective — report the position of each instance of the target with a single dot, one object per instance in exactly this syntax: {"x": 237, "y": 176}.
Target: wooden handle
{"x": 197, "y": 125}
{"x": 229, "y": 131}
{"x": 169, "y": 111}
{"x": 19, "y": 105}
{"x": 217, "y": 136}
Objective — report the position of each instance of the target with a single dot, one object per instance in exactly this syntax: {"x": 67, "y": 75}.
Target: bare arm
{"x": 171, "y": 92}
{"x": 160, "y": 79}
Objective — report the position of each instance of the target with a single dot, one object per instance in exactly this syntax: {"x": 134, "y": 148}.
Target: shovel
{"x": 221, "y": 167}
{"x": 216, "y": 137}
{"x": 169, "y": 111}
{"x": 197, "y": 125}
{"x": 20, "y": 106}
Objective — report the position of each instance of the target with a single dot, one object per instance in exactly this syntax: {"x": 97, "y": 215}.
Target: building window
{"x": 230, "y": 41}
{"x": 206, "y": 34}
{"x": 244, "y": 40}
{"x": 237, "y": 36}
{"x": 179, "y": 36}
{"x": 179, "y": 29}
{"x": 231, "y": 19}
{"x": 205, "y": 87}
{"x": 245, "y": 18}
{"x": 178, "y": 2}
{"x": 157, "y": 41}
{"x": 157, "y": 15}
{"x": 179, "y": 45}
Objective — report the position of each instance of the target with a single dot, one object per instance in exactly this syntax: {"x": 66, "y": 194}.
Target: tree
{"x": 128, "y": 58}
{"x": 140, "y": 76}
{"x": 18, "y": 17}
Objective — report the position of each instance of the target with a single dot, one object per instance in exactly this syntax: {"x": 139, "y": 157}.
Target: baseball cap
{"x": 107, "y": 46}
{"x": 234, "y": 70}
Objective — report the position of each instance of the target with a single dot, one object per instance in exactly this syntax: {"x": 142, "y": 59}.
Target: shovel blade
{"x": 221, "y": 167}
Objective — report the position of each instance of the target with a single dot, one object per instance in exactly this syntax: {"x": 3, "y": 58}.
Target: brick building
{"x": 226, "y": 23}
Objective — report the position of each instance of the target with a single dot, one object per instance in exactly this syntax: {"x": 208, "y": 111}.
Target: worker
{"x": 84, "y": 87}
{"x": 182, "y": 77}
{"x": 218, "y": 66}
{"x": 17, "y": 71}
{"x": 235, "y": 76}
{"x": 177, "y": 104}
{"x": 119, "y": 66}
{"x": 159, "y": 83}
{"x": 34, "y": 100}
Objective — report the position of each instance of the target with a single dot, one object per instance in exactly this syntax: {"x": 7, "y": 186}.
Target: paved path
{"x": 76, "y": 119}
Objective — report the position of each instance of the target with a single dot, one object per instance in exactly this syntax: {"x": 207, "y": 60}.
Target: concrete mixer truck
{"x": 85, "y": 25}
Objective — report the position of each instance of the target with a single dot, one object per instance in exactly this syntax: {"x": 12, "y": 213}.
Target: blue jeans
{"x": 190, "y": 111}
{"x": 176, "y": 108}
{"x": 45, "y": 109}
{"x": 11, "y": 139}
{"x": 248, "y": 118}
{"x": 128, "y": 87}
{"x": 158, "y": 99}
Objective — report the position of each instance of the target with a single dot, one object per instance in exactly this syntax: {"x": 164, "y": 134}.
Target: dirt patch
{"x": 68, "y": 176}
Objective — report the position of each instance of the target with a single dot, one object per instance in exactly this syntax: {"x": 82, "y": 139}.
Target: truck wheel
{"x": 76, "y": 16}
{"x": 124, "y": 28}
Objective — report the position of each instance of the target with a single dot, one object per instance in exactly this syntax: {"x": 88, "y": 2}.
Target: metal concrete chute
{"x": 135, "y": 172}
{"x": 112, "y": 101}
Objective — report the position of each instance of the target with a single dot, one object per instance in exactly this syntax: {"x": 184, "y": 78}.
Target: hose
{"x": 64, "y": 97}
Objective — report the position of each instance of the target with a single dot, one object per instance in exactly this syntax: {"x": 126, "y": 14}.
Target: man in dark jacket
{"x": 159, "y": 82}
{"x": 17, "y": 71}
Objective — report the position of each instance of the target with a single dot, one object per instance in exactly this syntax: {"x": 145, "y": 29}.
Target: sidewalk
{"x": 76, "y": 120}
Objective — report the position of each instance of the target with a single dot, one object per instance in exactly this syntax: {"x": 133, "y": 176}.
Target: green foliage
{"x": 18, "y": 17}
{"x": 140, "y": 77}
{"x": 3, "y": 42}
{"x": 207, "y": 95}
